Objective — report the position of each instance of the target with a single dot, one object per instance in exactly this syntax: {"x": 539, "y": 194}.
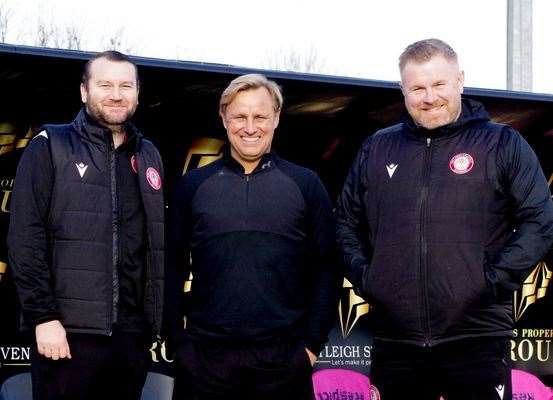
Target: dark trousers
{"x": 257, "y": 371}
{"x": 101, "y": 367}
{"x": 476, "y": 368}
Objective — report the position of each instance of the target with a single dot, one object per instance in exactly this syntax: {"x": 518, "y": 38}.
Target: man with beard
{"x": 441, "y": 218}
{"x": 86, "y": 242}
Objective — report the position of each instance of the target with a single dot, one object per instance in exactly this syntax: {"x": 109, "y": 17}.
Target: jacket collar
{"x": 89, "y": 129}
{"x": 267, "y": 161}
{"x": 471, "y": 112}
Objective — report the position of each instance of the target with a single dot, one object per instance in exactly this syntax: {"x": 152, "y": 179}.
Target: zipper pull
{"x": 428, "y": 141}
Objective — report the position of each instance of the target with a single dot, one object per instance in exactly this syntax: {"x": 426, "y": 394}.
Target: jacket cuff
{"x": 44, "y": 318}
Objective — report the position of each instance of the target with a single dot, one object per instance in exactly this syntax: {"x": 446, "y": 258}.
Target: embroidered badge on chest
{"x": 153, "y": 178}
{"x": 461, "y": 163}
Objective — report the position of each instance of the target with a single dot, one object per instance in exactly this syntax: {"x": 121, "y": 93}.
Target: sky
{"x": 359, "y": 38}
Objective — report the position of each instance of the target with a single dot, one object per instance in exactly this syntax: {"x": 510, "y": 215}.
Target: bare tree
{"x": 117, "y": 41}
{"x": 292, "y": 59}
{"x": 45, "y": 34}
{"x": 73, "y": 37}
{"x": 5, "y": 14}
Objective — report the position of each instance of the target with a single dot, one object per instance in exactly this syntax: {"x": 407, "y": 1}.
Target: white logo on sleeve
{"x": 43, "y": 134}
{"x": 81, "y": 168}
{"x": 500, "y": 389}
{"x": 391, "y": 169}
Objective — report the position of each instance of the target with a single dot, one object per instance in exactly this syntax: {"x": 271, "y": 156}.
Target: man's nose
{"x": 115, "y": 93}
{"x": 430, "y": 96}
{"x": 250, "y": 126}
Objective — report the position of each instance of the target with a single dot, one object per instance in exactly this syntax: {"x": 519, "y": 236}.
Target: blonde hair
{"x": 247, "y": 82}
{"x": 424, "y": 50}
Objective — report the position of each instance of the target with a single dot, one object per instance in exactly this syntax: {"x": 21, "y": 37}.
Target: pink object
{"x": 527, "y": 386}
{"x": 338, "y": 384}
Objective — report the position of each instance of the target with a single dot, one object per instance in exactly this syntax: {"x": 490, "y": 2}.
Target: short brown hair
{"x": 110, "y": 55}
{"x": 247, "y": 82}
{"x": 424, "y": 50}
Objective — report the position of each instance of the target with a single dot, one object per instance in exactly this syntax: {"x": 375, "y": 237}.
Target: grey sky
{"x": 361, "y": 38}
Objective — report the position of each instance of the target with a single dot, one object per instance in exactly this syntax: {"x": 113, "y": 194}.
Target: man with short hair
{"x": 86, "y": 243}
{"x": 441, "y": 218}
{"x": 260, "y": 236}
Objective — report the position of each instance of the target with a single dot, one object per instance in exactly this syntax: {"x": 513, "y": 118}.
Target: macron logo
{"x": 391, "y": 169}
{"x": 500, "y": 389}
{"x": 81, "y": 168}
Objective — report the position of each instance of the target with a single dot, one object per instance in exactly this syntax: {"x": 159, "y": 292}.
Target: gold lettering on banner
{"x": 6, "y": 194}
{"x": 533, "y": 288}
{"x": 3, "y": 269}
{"x": 203, "y": 151}
{"x": 527, "y": 349}
{"x": 158, "y": 352}
{"x": 8, "y": 137}
{"x": 350, "y": 308}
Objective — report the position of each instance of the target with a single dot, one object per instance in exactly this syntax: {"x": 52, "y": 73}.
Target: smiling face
{"x": 432, "y": 91}
{"x": 111, "y": 92}
{"x": 250, "y": 120}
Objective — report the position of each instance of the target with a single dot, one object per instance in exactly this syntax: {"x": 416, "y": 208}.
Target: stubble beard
{"x": 108, "y": 120}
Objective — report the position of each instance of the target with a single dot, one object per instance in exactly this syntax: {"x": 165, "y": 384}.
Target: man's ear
{"x": 223, "y": 119}
{"x": 461, "y": 81}
{"x": 277, "y": 119}
{"x": 84, "y": 93}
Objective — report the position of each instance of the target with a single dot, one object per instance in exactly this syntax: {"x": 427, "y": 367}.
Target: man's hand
{"x": 51, "y": 340}
{"x": 312, "y": 357}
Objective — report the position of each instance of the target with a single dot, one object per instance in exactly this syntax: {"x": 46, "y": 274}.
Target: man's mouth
{"x": 434, "y": 108}
{"x": 251, "y": 139}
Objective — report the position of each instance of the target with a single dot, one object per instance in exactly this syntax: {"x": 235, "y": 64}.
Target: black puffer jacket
{"x": 63, "y": 237}
{"x": 438, "y": 227}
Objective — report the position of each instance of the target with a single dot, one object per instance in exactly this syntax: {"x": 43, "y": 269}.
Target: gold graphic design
{"x": 8, "y": 137}
{"x": 188, "y": 284}
{"x": 203, "y": 151}
{"x": 350, "y": 308}
{"x": 533, "y": 288}
{"x": 3, "y": 268}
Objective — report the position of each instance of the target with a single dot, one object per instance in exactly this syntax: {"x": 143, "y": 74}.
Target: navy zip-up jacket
{"x": 262, "y": 250}
{"x": 437, "y": 228}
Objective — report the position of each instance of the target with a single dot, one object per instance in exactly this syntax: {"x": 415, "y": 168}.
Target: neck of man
{"x": 118, "y": 134}
{"x": 249, "y": 166}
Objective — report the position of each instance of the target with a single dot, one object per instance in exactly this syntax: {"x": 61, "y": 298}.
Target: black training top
{"x": 262, "y": 249}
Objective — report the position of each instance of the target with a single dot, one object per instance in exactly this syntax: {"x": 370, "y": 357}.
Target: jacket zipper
{"x": 247, "y": 190}
{"x": 115, "y": 236}
{"x": 423, "y": 242}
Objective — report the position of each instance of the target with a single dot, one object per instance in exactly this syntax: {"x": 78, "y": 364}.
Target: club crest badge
{"x": 153, "y": 178}
{"x": 134, "y": 164}
{"x": 461, "y": 163}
